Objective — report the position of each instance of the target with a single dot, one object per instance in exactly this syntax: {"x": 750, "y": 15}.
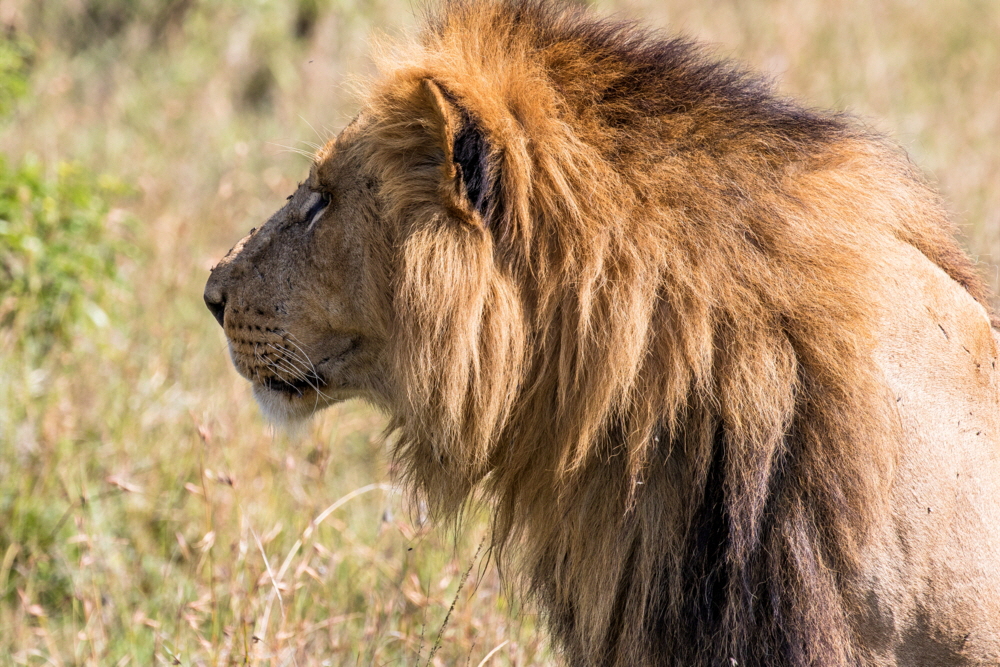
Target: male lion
{"x": 715, "y": 360}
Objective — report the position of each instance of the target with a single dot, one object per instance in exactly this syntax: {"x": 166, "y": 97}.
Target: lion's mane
{"x": 643, "y": 331}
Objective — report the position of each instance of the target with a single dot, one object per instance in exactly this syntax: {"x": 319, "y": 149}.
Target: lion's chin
{"x": 288, "y": 409}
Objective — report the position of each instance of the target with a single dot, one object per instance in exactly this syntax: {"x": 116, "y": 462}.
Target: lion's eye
{"x": 315, "y": 206}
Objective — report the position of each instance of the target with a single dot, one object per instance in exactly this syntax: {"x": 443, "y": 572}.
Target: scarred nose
{"x": 223, "y": 274}
{"x": 215, "y": 299}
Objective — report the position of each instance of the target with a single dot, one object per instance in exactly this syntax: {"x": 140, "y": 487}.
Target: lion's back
{"x": 939, "y": 557}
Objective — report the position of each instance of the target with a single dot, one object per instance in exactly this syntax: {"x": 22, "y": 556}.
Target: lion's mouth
{"x": 294, "y": 375}
{"x": 291, "y": 387}
{"x": 294, "y": 387}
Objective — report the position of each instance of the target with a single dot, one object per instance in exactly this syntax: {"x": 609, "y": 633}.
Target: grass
{"x": 147, "y": 513}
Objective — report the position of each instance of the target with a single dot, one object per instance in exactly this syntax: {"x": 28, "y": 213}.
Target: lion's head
{"x": 629, "y": 295}
{"x": 304, "y": 300}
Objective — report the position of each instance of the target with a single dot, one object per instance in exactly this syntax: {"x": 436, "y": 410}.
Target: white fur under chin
{"x": 284, "y": 411}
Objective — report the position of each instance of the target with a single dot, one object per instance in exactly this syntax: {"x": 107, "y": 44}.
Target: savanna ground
{"x": 148, "y": 515}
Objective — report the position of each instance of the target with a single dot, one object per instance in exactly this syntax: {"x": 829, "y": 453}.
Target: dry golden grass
{"x": 147, "y": 514}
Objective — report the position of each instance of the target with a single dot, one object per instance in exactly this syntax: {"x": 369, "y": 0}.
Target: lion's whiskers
{"x": 290, "y": 358}
{"x": 301, "y": 354}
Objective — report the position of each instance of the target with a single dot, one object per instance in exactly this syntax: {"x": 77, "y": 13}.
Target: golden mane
{"x": 656, "y": 328}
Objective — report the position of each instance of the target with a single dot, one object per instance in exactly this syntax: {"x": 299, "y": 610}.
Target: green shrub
{"x": 57, "y": 253}
{"x": 15, "y": 58}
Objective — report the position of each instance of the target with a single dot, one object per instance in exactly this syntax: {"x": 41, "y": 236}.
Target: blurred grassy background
{"x": 147, "y": 514}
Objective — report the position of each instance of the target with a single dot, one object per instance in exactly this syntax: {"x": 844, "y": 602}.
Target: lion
{"x": 715, "y": 361}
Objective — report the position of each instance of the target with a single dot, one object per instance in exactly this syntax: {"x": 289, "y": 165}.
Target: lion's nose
{"x": 215, "y": 299}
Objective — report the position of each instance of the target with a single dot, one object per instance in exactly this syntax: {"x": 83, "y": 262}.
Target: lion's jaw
{"x": 295, "y": 299}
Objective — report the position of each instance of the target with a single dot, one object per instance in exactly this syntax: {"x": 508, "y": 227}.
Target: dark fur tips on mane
{"x": 627, "y": 74}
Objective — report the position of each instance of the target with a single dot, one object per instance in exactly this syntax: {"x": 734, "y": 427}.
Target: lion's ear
{"x": 466, "y": 169}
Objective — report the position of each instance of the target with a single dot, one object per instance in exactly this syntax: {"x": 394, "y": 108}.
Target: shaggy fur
{"x": 630, "y": 297}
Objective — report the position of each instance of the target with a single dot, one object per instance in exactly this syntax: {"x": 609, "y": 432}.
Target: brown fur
{"x": 631, "y": 299}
